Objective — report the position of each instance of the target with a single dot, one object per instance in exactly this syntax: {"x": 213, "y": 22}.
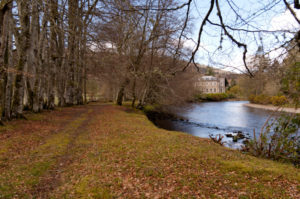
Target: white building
{"x": 210, "y": 84}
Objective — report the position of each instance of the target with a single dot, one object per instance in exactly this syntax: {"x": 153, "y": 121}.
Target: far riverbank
{"x": 273, "y": 108}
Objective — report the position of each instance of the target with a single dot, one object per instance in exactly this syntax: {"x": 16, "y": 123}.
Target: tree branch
{"x": 212, "y": 3}
{"x": 291, "y": 10}
{"x": 183, "y": 29}
{"x": 251, "y": 31}
{"x": 239, "y": 44}
{"x": 139, "y": 8}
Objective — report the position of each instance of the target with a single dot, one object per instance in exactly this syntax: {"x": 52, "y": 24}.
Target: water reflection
{"x": 218, "y": 118}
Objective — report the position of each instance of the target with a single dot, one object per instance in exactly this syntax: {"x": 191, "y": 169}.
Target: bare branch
{"x": 239, "y": 44}
{"x": 139, "y": 8}
{"x": 251, "y": 31}
{"x": 212, "y": 3}
{"x": 291, "y": 11}
{"x": 183, "y": 29}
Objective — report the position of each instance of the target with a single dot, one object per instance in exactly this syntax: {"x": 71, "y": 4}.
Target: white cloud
{"x": 189, "y": 44}
{"x": 285, "y": 21}
{"x": 97, "y": 47}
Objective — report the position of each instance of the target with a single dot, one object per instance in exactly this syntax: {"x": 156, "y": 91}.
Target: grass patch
{"x": 120, "y": 154}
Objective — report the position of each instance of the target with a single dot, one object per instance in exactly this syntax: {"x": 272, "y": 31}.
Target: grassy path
{"x": 104, "y": 151}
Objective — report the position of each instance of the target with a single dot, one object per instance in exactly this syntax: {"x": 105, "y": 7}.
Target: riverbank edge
{"x": 273, "y": 108}
{"x": 155, "y": 115}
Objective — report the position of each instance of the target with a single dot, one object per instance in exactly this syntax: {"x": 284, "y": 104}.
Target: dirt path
{"x": 41, "y": 137}
{"x": 50, "y": 180}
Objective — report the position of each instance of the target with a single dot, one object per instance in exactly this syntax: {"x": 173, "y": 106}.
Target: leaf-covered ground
{"x": 105, "y": 151}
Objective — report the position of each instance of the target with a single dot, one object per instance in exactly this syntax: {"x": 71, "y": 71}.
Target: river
{"x": 203, "y": 119}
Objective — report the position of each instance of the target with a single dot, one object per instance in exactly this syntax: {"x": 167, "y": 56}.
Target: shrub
{"x": 149, "y": 108}
{"x": 279, "y": 100}
{"x": 259, "y": 99}
{"x": 263, "y": 99}
{"x": 278, "y": 140}
{"x": 251, "y": 98}
{"x": 231, "y": 95}
{"x": 234, "y": 91}
{"x": 198, "y": 97}
{"x": 211, "y": 97}
{"x": 216, "y": 96}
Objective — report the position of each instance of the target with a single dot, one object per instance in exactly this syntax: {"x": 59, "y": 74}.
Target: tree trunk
{"x": 9, "y": 84}
{"x": 121, "y": 92}
{"x": 53, "y": 52}
{"x": 30, "y": 94}
{"x": 5, "y": 55}
{"x": 70, "y": 92}
{"x": 24, "y": 43}
{"x": 61, "y": 78}
{"x": 133, "y": 93}
{"x": 84, "y": 83}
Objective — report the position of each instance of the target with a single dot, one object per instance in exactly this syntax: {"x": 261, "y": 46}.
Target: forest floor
{"x": 105, "y": 151}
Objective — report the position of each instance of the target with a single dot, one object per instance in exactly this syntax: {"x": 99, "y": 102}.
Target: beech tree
{"x": 5, "y": 57}
{"x": 42, "y": 54}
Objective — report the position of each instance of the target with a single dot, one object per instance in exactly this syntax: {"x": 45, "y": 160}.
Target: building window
{"x": 215, "y": 90}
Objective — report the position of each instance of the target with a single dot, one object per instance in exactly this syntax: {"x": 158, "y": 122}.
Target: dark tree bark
{"x": 72, "y": 30}
{"x": 24, "y": 44}
{"x": 121, "y": 92}
{"x": 5, "y": 54}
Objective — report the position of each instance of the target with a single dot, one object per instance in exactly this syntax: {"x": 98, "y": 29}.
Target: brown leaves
{"x": 122, "y": 155}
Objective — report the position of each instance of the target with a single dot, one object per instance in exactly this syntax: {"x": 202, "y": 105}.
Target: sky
{"x": 229, "y": 56}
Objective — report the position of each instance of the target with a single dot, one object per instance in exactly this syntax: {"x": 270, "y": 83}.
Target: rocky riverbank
{"x": 273, "y": 108}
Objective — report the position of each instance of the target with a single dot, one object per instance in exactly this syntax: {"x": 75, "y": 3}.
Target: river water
{"x": 203, "y": 119}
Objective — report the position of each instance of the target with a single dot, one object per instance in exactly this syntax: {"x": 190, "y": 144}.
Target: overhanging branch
{"x": 212, "y": 3}
{"x": 140, "y": 8}
{"x": 239, "y": 44}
